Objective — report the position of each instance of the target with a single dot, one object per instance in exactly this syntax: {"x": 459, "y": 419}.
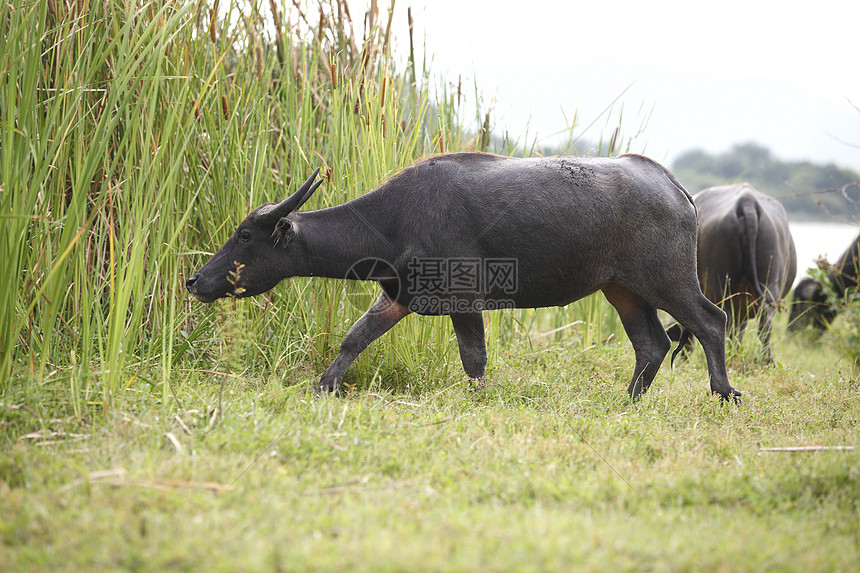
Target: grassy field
{"x": 550, "y": 468}
{"x": 140, "y": 430}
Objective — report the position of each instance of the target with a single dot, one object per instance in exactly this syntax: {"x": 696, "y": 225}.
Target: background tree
{"x": 808, "y": 190}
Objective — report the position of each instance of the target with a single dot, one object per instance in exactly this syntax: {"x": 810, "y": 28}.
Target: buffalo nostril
{"x": 190, "y": 282}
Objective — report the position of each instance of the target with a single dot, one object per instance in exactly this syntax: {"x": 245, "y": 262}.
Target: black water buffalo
{"x": 460, "y": 233}
{"x": 745, "y": 255}
{"x": 809, "y": 303}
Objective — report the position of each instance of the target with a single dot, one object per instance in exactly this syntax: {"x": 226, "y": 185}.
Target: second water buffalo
{"x": 746, "y": 257}
{"x": 811, "y": 305}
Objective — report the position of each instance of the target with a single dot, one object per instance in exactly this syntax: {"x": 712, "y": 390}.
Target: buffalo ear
{"x": 284, "y": 232}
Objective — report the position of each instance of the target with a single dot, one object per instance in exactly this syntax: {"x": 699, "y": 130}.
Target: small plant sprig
{"x": 233, "y": 278}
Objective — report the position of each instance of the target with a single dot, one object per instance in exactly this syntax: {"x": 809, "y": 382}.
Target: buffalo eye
{"x": 244, "y": 235}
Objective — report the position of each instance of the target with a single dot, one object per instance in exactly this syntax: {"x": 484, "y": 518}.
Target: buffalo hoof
{"x": 733, "y": 396}
{"x": 327, "y": 385}
{"x": 636, "y": 392}
{"x": 478, "y": 384}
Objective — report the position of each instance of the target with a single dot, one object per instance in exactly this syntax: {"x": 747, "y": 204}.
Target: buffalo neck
{"x": 331, "y": 241}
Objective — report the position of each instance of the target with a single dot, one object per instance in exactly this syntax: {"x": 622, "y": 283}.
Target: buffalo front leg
{"x": 384, "y": 314}
{"x": 469, "y": 328}
{"x": 642, "y": 325}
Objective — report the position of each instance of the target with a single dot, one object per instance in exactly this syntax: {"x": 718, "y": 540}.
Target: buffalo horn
{"x": 293, "y": 202}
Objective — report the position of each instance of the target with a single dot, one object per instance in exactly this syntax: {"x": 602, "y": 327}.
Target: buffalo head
{"x": 248, "y": 264}
{"x": 810, "y": 306}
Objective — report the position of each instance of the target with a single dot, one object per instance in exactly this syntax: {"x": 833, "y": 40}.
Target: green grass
{"x": 548, "y": 469}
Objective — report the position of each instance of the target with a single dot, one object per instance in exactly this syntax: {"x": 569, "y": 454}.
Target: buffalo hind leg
{"x": 384, "y": 314}
{"x": 469, "y": 328}
{"x": 765, "y": 326}
{"x": 646, "y": 334}
{"x": 707, "y": 322}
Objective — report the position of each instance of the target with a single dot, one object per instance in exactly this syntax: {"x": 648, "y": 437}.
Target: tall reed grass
{"x": 136, "y": 135}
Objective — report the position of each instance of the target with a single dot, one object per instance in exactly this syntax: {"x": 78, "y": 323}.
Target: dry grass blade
{"x": 809, "y": 449}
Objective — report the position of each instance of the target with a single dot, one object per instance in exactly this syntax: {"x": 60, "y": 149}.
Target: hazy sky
{"x": 710, "y": 74}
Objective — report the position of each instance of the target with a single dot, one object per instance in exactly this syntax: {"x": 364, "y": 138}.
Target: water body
{"x": 820, "y": 240}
